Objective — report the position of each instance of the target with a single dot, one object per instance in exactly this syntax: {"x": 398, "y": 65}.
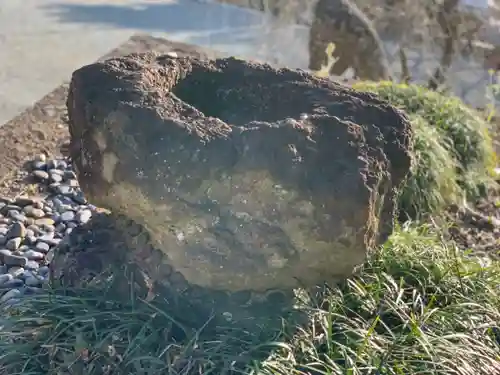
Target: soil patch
{"x": 477, "y": 227}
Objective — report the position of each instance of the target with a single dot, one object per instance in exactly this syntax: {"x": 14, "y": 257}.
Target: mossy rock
{"x": 453, "y": 147}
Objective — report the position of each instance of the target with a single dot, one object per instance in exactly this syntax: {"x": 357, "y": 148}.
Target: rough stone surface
{"x": 245, "y": 177}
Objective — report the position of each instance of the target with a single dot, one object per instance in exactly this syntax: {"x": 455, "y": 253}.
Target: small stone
{"x": 13, "y": 293}
{"x": 61, "y": 227}
{"x": 35, "y": 229}
{"x": 79, "y": 198}
{"x": 54, "y": 187}
{"x": 34, "y": 255}
{"x": 17, "y": 230}
{"x": 4, "y": 230}
{"x": 32, "y": 265}
{"x": 36, "y": 213}
{"x": 46, "y": 222}
{"x": 71, "y": 224}
{"x": 41, "y": 158}
{"x": 27, "y": 274}
{"x": 56, "y": 177}
{"x": 33, "y": 281}
{"x": 57, "y": 164}
{"x": 14, "y": 283}
{"x": 54, "y": 241}
{"x": 56, "y": 217}
{"x": 4, "y": 253}
{"x": 38, "y": 203}
{"x": 14, "y": 260}
{"x": 17, "y": 216}
{"x": 4, "y": 278}
{"x": 3, "y": 269}
{"x": 83, "y": 216}
{"x": 65, "y": 190}
{"x": 23, "y": 201}
{"x": 56, "y": 202}
{"x": 41, "y": 175}
{"x": 70, "y": 175}
{"x": 46, "y": 237}
{"x": 3, "y": 240}
{"x": 49, "y": 228}
{"x": 30, "y": 240}
{"x": 39, "y": 165}
{"x": 13, "y": 243}
{"x": 43, "y": 271}
{"x": 13, "y": 212}
{"x": 42, "y": 247}
{"x": 16, "y": 271}
{"x": 56, "y": 171}
{"x": 13, "y": 207}
{"x": 65, "y": 207}
{"x": 68, "y": 216}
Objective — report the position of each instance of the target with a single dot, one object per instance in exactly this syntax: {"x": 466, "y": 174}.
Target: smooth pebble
{"x": 33, "y": 255}
{"x": 68, "y": 216}
{"x": 14, "y": 260}
{"x": 13, "y": 293}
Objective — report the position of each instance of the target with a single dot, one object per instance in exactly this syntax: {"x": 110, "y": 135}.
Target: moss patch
{"x": 454, "y": 153}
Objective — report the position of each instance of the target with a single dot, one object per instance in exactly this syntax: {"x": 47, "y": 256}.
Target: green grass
{"x": 454, "y": 153}
{"x": 417, "y": 307}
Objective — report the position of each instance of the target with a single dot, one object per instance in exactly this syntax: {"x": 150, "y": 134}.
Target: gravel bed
{"x": 31, "y": 227}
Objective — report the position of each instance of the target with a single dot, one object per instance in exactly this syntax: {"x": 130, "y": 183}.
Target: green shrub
{"x": 454, "y": 153}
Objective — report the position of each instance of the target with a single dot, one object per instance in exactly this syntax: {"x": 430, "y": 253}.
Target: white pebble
{"x": 84, "y": 216}
{"x": 68, "y": 216}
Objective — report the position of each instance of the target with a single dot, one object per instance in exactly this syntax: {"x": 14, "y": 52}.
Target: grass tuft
{"x": 417, "y": 307}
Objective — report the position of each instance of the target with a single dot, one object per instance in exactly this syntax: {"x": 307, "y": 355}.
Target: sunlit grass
{"x": 417, "y": 307}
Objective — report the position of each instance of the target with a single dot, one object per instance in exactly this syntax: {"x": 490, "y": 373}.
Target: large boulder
{"x": 245, "y": 177}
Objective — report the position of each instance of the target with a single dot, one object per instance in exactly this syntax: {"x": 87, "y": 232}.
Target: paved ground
{"x": 43, "y": 41}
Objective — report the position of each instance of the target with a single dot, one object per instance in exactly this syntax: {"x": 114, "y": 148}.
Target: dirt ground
{"x": 477, "y": 228}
